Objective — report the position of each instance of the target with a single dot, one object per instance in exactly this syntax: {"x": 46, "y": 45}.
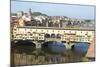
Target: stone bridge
{"x": 39, "y": 35}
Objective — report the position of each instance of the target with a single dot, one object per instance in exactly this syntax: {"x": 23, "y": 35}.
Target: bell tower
{"x": 30, "y": 12}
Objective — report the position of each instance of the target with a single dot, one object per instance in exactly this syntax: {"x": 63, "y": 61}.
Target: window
{"x": 53, "y": 36}
{"x": 47, "y": 35}
{"x": 58, "y": 35}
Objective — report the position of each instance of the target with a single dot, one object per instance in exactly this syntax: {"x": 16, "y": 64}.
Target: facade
{"x": 19, "y": 14}
{"x": 40, "y": 34}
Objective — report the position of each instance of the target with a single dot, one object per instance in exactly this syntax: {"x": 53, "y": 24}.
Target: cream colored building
{"x": 66, "y": 35}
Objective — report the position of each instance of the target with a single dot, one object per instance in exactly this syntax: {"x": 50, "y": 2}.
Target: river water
{"x": 39, "y": 57}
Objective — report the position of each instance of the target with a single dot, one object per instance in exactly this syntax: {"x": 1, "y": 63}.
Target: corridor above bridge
{"x": 63, "y": 34}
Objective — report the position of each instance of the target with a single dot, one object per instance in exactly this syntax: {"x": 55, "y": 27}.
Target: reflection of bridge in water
{"x": 40, "y": 35}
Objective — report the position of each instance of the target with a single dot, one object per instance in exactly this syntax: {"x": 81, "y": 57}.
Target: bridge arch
{"x": 80, "y": 47}
{"x": 53, "y": 47}
{"x": 23, "y": 46}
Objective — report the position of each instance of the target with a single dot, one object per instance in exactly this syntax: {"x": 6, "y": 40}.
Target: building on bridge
{"x": 44, "y": 34}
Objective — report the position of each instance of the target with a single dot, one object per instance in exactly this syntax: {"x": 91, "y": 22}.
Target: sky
{"x": 51, "y": 9}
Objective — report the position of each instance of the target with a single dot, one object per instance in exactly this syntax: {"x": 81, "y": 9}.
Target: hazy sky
{"x": 77, "y": 11}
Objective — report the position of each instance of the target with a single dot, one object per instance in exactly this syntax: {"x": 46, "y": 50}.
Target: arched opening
{"x": 58, "y": 36}
{"x": 47, "y": 35}
{"x": 53, "y": 47}
{"x": 23, "y": 46}
{"x": 53, "y": 36}
{"x": 80, "y": 48}
{"x": 45, "y": 45}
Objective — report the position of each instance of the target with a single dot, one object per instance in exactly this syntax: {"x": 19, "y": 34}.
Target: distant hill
{"x": 13, "y": 14}
{"x": 38, "y": 13}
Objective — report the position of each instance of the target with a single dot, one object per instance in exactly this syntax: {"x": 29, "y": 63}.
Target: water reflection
{"x": 43, "y": 56}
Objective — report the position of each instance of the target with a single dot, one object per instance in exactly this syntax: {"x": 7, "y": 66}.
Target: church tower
{"x": 30, "y": 12}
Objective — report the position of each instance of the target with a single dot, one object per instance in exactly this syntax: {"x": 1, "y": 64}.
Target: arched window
{"x": 58, "y": 36}
{"x": 47, "y": 35}
{"x": 53, "y": 36}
